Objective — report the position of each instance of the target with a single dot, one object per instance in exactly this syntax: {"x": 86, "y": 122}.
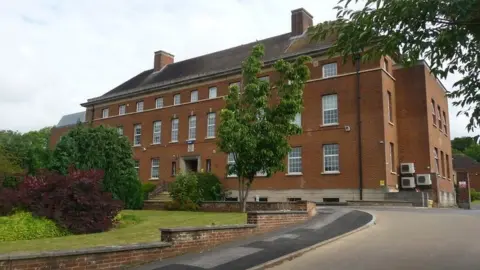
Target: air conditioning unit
{"x": 408, "y": 182}
{"x": 408, "y": 168}
{"x": 424, "y": 180}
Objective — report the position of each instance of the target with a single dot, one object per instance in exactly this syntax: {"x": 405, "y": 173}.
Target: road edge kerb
{"x": 299, "y": 253}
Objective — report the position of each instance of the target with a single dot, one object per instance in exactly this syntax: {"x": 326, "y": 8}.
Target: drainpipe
{"x": 359, "y": 124}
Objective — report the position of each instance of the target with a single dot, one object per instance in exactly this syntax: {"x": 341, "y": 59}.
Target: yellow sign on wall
{"x": 382, "y": 183}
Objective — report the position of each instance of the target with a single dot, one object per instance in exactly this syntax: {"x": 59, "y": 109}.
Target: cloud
{"x": 57, "y": 54}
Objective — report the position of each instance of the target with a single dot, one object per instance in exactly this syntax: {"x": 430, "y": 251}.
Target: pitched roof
{"x": 463, "y": 162}
{"x": 71, "y": 119}
{"x": 281, "y": 46}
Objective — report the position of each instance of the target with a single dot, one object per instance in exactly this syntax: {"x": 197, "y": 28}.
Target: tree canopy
{"x": 258, "y": 119}
{"x": 469, "y": 146}
{"x": 102, "y": 148}
{"x": 446, "y": 33}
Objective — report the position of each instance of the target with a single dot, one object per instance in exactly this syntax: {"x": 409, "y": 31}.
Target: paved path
{"x": 241, "y": 255}
{"x": 403, "y": 239}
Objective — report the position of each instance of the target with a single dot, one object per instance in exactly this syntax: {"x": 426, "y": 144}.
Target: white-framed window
{"x": 159, "y": 103}
{"x": 137, "y": 134}
{"x": 176, "y": 99}
{"x": 295, "y": 161}
{"x": 211, "y": 125}
{"x": 298, "y": 120}
{"x": 194, "y": 96}
{"x": 140, "y": 106}
{"x": 331, "y": 162}
{"x": 155, "y": 172}
{"x": 445, "y": 129}
{"x": 174, "y": 134}
{"x": 392, "y": 158}
{"x": 439, "y": 117}
{"x": 231, "y": 162}
{"x": 105, "y": 113}
{"x": 330, "y": 109}
{"x": 120, "y": 130}
{"x": 122, "y": 109}
{"x": 212, "y": 92}
{"x": 136, "y": 165}
{"x": 192, "y": 127}
{"x": 390, "y": 109}
{"x": 435, "y": 156}
{"x": 157, "y": 132}
{"x": 434, "y": 116}
{"x": 329, "y": 70}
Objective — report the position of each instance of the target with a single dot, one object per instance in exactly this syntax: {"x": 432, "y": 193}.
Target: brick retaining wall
{"x": 175, "y": 241}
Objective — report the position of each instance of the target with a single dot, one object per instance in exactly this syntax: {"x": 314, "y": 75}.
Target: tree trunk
{"x": 240, "y": 193}
{"x": 245, "y": 195}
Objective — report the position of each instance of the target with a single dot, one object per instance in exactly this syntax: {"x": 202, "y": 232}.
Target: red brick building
{"x": 170, "y": 113}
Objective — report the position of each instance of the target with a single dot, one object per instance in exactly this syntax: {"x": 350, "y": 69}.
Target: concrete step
{"x": 164, "y": 196}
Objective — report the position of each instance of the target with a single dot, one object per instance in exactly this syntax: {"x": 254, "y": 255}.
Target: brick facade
{"x": 409, "y": 130}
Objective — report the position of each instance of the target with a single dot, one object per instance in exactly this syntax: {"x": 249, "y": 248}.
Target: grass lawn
{"x": 476, "y": 202}
{"x": 138, "y": 226}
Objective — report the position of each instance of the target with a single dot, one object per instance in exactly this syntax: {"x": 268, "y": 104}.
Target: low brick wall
{"x": 175, "y": 241}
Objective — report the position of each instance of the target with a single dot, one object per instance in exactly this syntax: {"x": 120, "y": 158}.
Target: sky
{"x": 56, "y": 54}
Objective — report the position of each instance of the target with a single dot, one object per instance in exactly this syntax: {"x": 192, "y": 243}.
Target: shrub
{"x": 75, "y": 202}
{"x": 185, "y": 189}
{"x": 474, "y": 195}
{"x": 210, "y": 186}
{"x": 101, "y": 148}
{"x": 24, "y": 226}
{"x": 11, "y": 181}
{"x": 8, "y": 201}
{"x": 147, "y": 188}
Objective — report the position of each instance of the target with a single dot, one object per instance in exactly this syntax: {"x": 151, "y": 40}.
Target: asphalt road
{"x": 403, "y": 239}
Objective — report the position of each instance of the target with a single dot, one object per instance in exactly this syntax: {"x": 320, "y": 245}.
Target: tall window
{"x": 174, "y": 130}
{"x": 439, "y": 117}
{"x": 159, "y": 103}
{"x": 390, "y": 110}
{"x": 120, "y": 130}
{"x": 192, "y": 127}
{"x": 230, "y": 162}
{"x": 295, "y": 161}
{"x": 435, "y": 156}
{"x": 137, "y": 134}
{"x": 122, "y": 109}
{"x": 194, "y": 96}
{"x": 211, "y": 125}
{"x": 176, "y": 99}
{"x": 208, "y": 165}
{"x": 137, "y": 165}
{"x": 329, "y": 70}
{"x": 442, "y": 163}
{"x": 445, "y": 123}
{"x": 140, "y": 106}
{"x": 105, "y": 113}
{"x": 298, "y": 120}
{"x": 212, "y": 92}
{"x": 155, "y": 168}
{"x": 392, "y": 158}
{"x": 330, "y": 109}
{"x": 447, "y": 160}
{"x": 174, "y": 168}
{"x": 331, "y": 161}
{"x": 157, "y": 132}
{"x": 434, "y": 116}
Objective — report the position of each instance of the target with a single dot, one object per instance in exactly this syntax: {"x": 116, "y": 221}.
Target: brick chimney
{"x": 301, "y": 21}
{"x": 162, "y": 59}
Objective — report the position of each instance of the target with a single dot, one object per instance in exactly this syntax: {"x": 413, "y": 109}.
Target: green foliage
{"x": 101, "y": 148}
{"x": 474, "y": 195}
{"x": 253, "y": 129}
{"x": 473, "y": 151}
{"x": 177, "y": 206}
{"x": 147, "y": 188}
{"x": 185, "y": 189}
{"x": 24, "y": 226}
{"x": 123, "y": 220}
{"x": 210, "y": 186}
{"x": 446, "y": 33}
{"x": 462, "y": 143}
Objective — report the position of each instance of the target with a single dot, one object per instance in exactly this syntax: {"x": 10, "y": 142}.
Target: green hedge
{"x": 24, "y": 226}
{"x": 474, "y": 195}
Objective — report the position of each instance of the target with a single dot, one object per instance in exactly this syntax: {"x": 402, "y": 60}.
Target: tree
{"x": 473, "y": 151}
{"x": 446, "y": 33}
{"x": 254, "y": 126}
{"x": 101, "y": 148}
{"x": 462, "y": 143}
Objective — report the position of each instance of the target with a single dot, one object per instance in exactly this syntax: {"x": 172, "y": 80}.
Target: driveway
{"x": 403, "y": 239}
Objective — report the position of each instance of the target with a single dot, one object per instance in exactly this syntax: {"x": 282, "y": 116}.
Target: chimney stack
{"x": 162, "y": 59}
{"x": 301, "y": 21}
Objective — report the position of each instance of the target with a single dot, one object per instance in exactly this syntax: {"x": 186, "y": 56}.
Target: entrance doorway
{"x": 190, "y": 164}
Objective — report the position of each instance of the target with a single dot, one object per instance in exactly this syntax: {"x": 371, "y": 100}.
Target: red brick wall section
{"x": 176, "y": 241}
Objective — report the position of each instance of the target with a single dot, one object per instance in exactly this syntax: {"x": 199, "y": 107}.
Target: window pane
{"x": 211, "y": 125}
{"x": 155, "y": 168}
{"x": 104, "y": 113}
{"x": 140, "y": 106}
{"x": 176, "y": 99}
{"x": 194, "y": 96}
{"x": 192, "y": 127}
{"x": 175, "y": 130}
{"x": 212, "y": 92}
{"x": 121, "y": 109}
{"x": 157, "y": 131}
{"x": 137, "y": 133}
{"x": 330, "y": 158}
{"x": 390, "y": 112}
{"x": 298, "y": 120}
{"x": 330, "y": 109}
{"x": 159, "y": 103}
{"x": 329, "y": 70}
{"x": 230, "y": 161}
{"x": 295, "y": 160}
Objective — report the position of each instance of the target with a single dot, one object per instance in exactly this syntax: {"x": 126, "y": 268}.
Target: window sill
{"x": 209, "y": 138}
{"x": 153, "y": 144}
{"x": 294, "y": 174}
{"x": 191, "y": 140}
{"x": 329, "y": 125}
{"x": 231, "y": 176}
{"x": 391, "y": 124}
{"x": 173, "y": 142}
{"x": 137, "y": 146}
{"x": 327, "y": 173}
{"x": 153, "y": 179}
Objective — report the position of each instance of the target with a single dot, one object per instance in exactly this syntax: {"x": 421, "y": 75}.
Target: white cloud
{"x": 57, "y": 54}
